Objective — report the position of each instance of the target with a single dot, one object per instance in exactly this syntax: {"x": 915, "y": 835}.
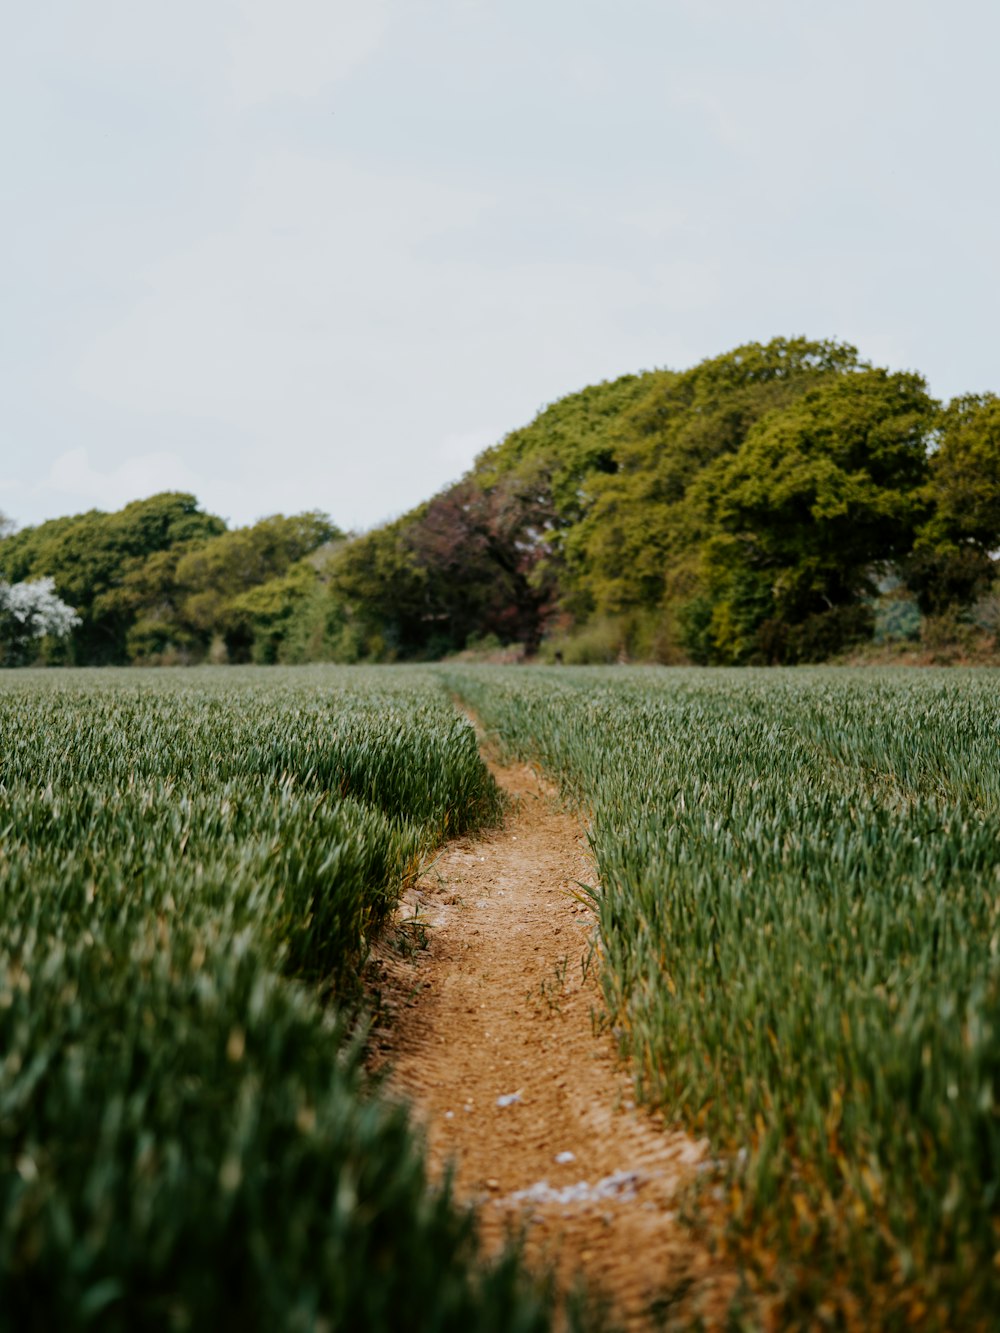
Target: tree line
{"x": 162, "y": 581}
{"x": 768, "y": 505}
{"x": 764, "y": 506}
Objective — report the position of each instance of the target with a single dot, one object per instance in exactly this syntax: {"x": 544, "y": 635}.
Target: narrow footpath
{"x": 492, "y": 1036}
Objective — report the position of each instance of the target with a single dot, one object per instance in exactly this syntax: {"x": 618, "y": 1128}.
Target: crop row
{"x": 192, "y": 867}
{"x": 800, "y": 915}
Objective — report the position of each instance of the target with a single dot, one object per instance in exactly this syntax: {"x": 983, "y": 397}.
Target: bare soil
{"x": 493, "y": 1035}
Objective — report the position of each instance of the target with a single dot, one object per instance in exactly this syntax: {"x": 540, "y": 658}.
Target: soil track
{"x": 491, "y": 1037}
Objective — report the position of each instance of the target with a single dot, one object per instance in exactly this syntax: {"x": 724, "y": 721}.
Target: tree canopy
{"x": 952, "y": 560}
{"x": 160, "y": 579}
{"x": 798, "y": 522}
{"x": 751, "y": 508}
{"x": 745, "y": 510}
{"x": 742, "y": 511}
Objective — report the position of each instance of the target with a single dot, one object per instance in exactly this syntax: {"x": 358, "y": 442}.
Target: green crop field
{"x": 191, "y": 868}
{"x": 800, "y": 920}
{"x": 800, "y": 912}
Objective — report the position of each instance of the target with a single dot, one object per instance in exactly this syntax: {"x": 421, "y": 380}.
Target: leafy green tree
{"x": 88, "y": 555}
{"x": 568, "y": 443}
{"x": 150, "y": 595}
{"x": 319, "y": 627}
{"x": 565, "y": 455}
{"x": 264, "y": 615}
{"x": 214, "y": 576}
{"x": 378, "y": 581}
{"x": 635, "y": 545}
{"x": 741, "y": 510}
{"x": 160, "y": 578}
{"x": 796, "y": 523}
{"x": 953, "y": 558}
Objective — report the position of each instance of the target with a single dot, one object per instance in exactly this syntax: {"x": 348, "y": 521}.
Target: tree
{"x": 468, "y": 562}
{"x": 564, "y": 456}
{"x": 377, "y": 580}
{"x": 953, "y": 557}
{"x": 796, "y": 523}
{"x": 212, "y": 576}
{"x": 264, "y": 614}
{"x": 740, "y": 508}
{"x": 156, "y": 579}
{"x": 149, "y": 595}
{"x": 88, "y": 555}
{"x": 632, "y": 547}
{"x": 483, "y": 550}
{"x": 30, "y": 612}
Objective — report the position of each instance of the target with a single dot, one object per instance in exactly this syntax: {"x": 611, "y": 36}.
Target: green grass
{"x": 192, "y": 868}
{"x": 800, "y": 917}
{"x": 800, "y": 912}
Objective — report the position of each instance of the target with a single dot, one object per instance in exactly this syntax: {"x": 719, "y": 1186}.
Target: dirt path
{"x": 491, "y": 1038}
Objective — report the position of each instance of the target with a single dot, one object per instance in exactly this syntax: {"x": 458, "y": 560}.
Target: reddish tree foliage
{"x": 484, "y": 551}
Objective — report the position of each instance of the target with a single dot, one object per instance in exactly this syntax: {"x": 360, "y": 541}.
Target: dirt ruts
{"x": 491, "y": 1036}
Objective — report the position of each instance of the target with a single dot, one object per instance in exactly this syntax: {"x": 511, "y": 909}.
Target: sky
{"x": 318, "y": 254}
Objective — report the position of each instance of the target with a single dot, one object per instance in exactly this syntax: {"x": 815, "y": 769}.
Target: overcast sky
{"x": 297, "y": 254}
